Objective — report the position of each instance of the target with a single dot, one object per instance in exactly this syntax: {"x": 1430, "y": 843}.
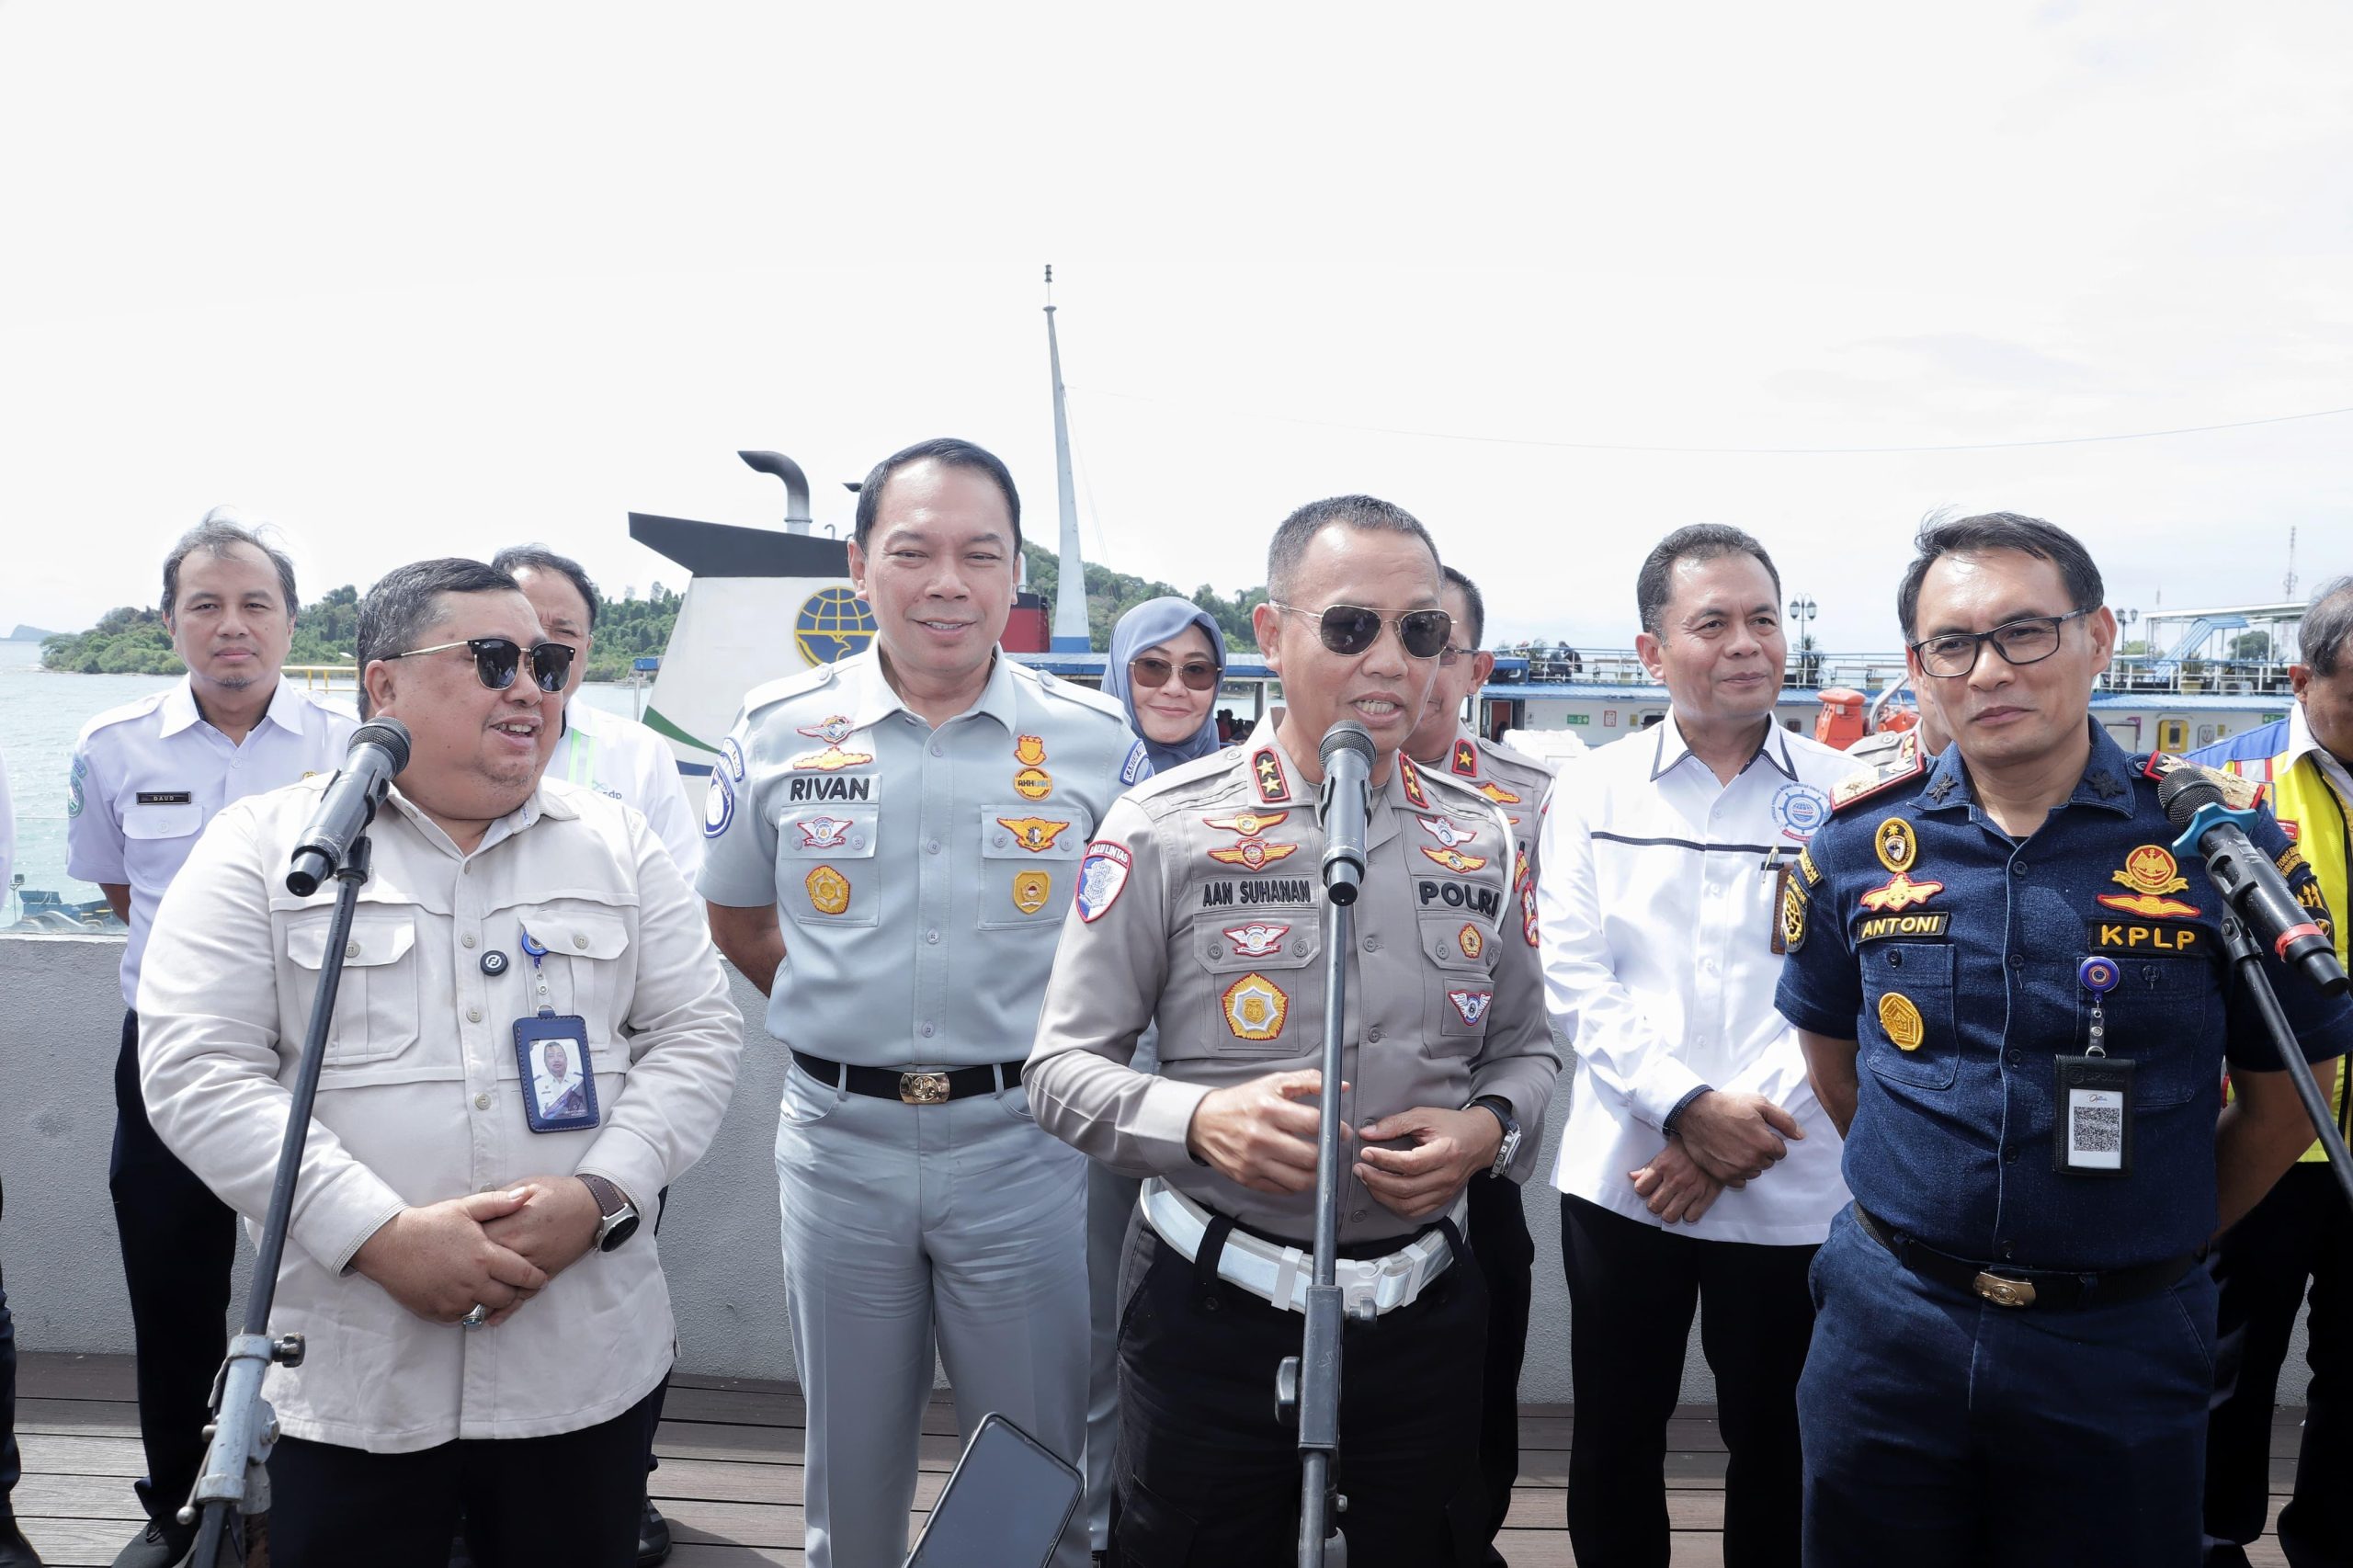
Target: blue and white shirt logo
{"x": 1799, "y": 810}
{"x": 718, "y": 804}
{"x": 732, "y": 756}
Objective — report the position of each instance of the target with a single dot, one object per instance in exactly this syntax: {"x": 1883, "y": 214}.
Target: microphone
{"x": 1347, "y": 756}
{"x": 379, "y": 750}
{"x": 2246, "y": 878}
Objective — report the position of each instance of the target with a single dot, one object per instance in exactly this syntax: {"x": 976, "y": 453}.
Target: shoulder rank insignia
{"x": 2239, "y": 792}
{"x": 1266, "y": 770}
{"x": 1411, "y": 778}
{"x": 1466, "y": 757}
{"x": 1907, "y": 763}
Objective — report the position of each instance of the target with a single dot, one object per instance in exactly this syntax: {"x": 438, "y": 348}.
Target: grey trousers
{"x": 959, "y": 1227}
{"x": 1111, "y": 1204}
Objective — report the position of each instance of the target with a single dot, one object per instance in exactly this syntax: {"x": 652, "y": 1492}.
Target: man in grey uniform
{"x": 918, "y": 811}
{"x": 1198, "y": 906}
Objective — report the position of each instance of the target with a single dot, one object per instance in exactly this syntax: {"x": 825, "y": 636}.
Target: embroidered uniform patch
{"x": 1454, "y": 860}
{"x": 1498, "y": 794}
{"x": 1255, "y": 1007}
{"x": 1101, "y": 875}
{"x": 831, "y": 759}
{"x": 1256, "y": 940}
{"x": 1267, "y": 772}
{"x": 1901, "y": 1021}
{"x": 1916, "y": 925}
{"x": 829, "y": 890}
{"x": 1139, "y": 763}
{"x": 1446, "y": 832}
{"x": 1806, "y": 869}
{"x": 717, "y": 805}
{"x": 1412, "y": 778}
{"x": 1895, "y": 846}
{"x": 2151, "y": 872}
{"x": 1031, "y": 889}
{"x": 1256, "y": 854}
{"x": 1793, "y": 911}
{"x": 1249, "y": 825}
{"x": 1899, "y": 894}
{"x": 1527, "y": 912}
{"x": 1472, "y": 941}
{"x": 1799, "y": 809}
{"x": 824, "y": 833}
{"x": 1029, "y": 751}
{"x": 833, "y": 730}
{"x": 732, "y": 756}
{"x": 1471, "y": 1005}
{"x": 1033, "y": 783}
{"x": 1037, "y": 834}
{"x": 1466, "y": 759}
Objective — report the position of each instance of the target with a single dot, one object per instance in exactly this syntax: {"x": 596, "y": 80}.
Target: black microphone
{"x": 1347, "y": 756}
{"x": 379, "y": 750}
{"x": 2248, "y": 880}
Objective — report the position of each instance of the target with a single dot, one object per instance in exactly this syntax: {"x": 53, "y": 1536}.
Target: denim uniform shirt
{"x": 1915, "y": 916}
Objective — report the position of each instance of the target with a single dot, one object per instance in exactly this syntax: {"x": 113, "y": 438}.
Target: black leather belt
{"x": 911, "y": 1089}
{"x": 2006, "y": 1287}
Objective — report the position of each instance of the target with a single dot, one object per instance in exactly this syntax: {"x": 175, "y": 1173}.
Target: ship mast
{"x": 1070, "y": 592}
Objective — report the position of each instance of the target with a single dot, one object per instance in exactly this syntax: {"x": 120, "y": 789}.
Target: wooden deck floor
{"x": 730, "y": 1479}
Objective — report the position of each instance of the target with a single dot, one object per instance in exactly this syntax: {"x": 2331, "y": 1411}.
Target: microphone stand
{"x": 244, "y": 1426}
{"x": 2246, "y": 957}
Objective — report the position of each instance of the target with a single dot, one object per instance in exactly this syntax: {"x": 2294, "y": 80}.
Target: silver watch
{"x": 1501, "y": 1111}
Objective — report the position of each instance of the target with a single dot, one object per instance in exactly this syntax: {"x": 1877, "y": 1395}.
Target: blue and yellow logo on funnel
{"x": 832, "y": 625}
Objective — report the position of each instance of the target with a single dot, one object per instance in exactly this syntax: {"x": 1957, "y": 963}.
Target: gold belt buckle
{"x": 931, "y": 1089}
{"x": 2005, "y": 1292}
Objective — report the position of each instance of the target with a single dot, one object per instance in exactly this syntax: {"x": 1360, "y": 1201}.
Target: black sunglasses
{"x": 1151, "y": 671}
{"x": 1349, "y": 629}
{"x": 497, "y": 658}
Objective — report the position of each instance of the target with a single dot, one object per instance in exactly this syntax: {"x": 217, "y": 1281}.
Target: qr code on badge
{"x": 2098, "y": 1129}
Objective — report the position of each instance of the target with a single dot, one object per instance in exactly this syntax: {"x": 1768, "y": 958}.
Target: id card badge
{"x": 558, "y": 1085}
{"x": 2094, "y": 1135}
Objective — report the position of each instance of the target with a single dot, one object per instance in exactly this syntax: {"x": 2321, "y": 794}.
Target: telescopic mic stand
{"x": 236, "y": 1478}
{"x": 1307, "y": 1386}
{"x": 2260, "y": 911}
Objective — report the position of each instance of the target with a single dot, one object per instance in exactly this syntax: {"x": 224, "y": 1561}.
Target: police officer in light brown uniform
{"x": 1199, "y": 905}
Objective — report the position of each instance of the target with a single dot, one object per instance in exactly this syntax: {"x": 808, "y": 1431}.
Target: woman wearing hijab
{"x": 1166, "y": 659}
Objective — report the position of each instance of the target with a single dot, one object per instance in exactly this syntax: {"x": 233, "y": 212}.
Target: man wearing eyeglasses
{"x": 503, "y": 912}
{"x": 1446, "y": 742}
{"x": 914, "y": 815}
{"x": 1199, "y": 907}
{"x": 146, "y": 778}
{"x": 1695, "y": 1169}
{"x": 2016, "y": 1004}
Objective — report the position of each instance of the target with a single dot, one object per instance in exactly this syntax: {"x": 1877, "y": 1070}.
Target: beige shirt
{"x": 420, "y": 1094}
{"x": 1200, "y": 906}
{"x": 1514, "y": 783}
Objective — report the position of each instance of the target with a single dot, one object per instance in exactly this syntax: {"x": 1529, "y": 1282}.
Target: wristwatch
{"x": 620, "y": 1221}
{"x": 1501, "y": 1110}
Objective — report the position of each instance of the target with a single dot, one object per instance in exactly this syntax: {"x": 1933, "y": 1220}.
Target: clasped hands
{"x": 499, "y": 1249}
{"x": 1724, "y": 1139}
{"x": 1262, "y": 1134}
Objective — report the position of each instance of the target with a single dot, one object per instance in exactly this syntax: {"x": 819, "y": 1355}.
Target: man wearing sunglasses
{"x": 1199, "y": 907}
{"x": 146, "y": 778}
{"x": 504, "y": 911}
{"x": 914, "y": 815}
{"x": 1447, "y": 742}
{"x": 2015, "y": 1003}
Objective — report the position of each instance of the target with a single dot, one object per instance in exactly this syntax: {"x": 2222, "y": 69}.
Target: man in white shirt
{"x": 1696, "y": 1162}
{"x": 146, "y": 778}
{"x": 428, "y": 1202}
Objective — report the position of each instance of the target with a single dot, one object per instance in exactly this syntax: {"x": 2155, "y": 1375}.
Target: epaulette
{"x": 1051, "y": 686}
{"x": 137, "y": 708}
{"x": 2239, "y": 792}
{"x": 1218, "y": 765}
{"x": 773, "y": 691}
{"x": 1908, "y": 763}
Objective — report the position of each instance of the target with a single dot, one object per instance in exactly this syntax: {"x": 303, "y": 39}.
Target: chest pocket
{"x": 176, "y": 820}
{"x": 1907, "y": 1025}
{"x": 1460, "y": 987}
{"x": 1029, "y": 859}
{"x": 2159, "y": 1010}
{"x": 376, "y": 1000}
{"x": 826, "y": 872}
{"x": 582, "y": 969}
{"x": 1263, "y": 994}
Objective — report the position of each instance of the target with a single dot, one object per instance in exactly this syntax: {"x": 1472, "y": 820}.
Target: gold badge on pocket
{"x": 1030, "y": 890}
{"x": 1901, "y": 1021}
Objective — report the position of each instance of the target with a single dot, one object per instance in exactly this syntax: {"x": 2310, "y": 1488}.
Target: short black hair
{"x": 539, "y": 558}
{"x": 407, "y": 601}
{"x": 2327, "y": 627}
{"x": 218, "y": 533}
{"x": 1471, "y": 601}
{"x": 1940, "y": 535}
{"x": 1368, "y": 512}
{"x": 943, "y": 449}
{"x": 1699, "y": 541}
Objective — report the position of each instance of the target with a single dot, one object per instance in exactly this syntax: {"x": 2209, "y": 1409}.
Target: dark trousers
{"x": 12, "y": 1465}
{"x": 1942, "y": 1431}
{"x": 1208, "y": 1477}
{"x": 178, "y": 1245}
{"x": 1632, "y": 1291}
{"x": 1507, "y": 1256}
{"x": 568, "y": 1501}
{"x": 2301, "y": 1232}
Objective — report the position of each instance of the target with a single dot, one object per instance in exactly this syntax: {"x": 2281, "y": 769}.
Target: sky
{"x": 435, "y": 279}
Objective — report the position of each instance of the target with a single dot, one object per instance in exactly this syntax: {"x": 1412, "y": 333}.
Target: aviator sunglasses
{"x": 1151, "y": 672}
{"x": 1349, "y": 629}
{"x": 497, "y": 658}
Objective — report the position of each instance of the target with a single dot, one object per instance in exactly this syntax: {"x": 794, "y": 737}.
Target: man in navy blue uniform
{"x": 2014, "y": 1002}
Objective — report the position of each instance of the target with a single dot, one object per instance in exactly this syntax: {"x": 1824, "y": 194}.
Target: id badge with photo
{"x": 2094, "y": 1134}
{"x": 558, "y": 1081}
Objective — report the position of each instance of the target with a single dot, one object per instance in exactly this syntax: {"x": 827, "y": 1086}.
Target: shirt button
{"x": 482, "y": 1102}
{"x": 2009, "y": 1249}
{"x": 931, "y": 937}
{"x": 1707, "y": 964}
{"x": 935, "y": 748}
{"x": 1372, "y": 944}
{"x": 2018, "y": 961}
{"x": 2017, "y": 1057}
{"x": 467, "y": 940}
{"x": 2009, "y": 1154}
{"x": 1356, "y": 1214}
{"x": 1373, "y": 1035}
{"x": 2017, "y": 868}
{"x": 474, "y": 1015}
{"x": 932, "y": 848}
{"x": 998, "y": 841}
{"x": 928, "y": 1031}
{"x": 580, "y": 938}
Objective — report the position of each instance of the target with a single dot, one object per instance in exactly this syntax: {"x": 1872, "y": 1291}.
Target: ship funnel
{"x": 796, "y": 486}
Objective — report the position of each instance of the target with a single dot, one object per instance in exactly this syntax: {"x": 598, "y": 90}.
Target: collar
{"x": 540, "y": 802}
{"x": 2107, "y": 782}
{"x": 287, "y": 709}
{"x": 2301, "y": 743}
{"x": 868, "y": 696}
{"x": 1773, "y": 746}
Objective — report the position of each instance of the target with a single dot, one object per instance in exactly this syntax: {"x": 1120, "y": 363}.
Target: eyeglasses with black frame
{"x": 1151, "y": 672}
{"x": 497, "y": 658}
{"x": 1349, "y": 629}
{"x": 2029, "y": 640}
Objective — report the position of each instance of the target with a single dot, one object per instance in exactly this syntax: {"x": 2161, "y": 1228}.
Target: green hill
{"x": 1110, "y": 595}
